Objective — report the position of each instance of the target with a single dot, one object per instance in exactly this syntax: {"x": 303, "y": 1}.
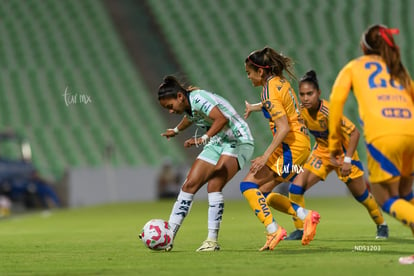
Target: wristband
{"x": 347, "y": 159}
{"x": 176, "y": 130}
{"x": 205, "y": 138}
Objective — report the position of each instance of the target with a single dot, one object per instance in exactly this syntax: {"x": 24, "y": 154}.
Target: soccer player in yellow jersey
{"x": 315, "y": 112}
{"x": 385, "y": 94}
{"x": 289, "y": 148}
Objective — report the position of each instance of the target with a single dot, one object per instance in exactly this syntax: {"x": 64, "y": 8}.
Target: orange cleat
{"x": 309, "y": 227}
{"x": 274, "y": 238}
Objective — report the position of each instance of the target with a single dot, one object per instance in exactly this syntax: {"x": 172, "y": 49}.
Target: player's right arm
{"x": 340, "y": 91}
{"x": 171, "y": 132}
{"x": 251, "y": 107}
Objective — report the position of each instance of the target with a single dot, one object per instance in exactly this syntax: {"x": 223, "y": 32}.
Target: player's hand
{"x": 346, "y": 169}
{"x": 336, "y": 158}
{"x": 257, "y": 164}
{"x": 248, "y": 109}
{"x": 193, "y": 141}
{"x": 169, "y": 133}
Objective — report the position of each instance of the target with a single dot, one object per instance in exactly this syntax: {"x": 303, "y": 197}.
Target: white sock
{"x": 215, "y": 214}
{"x": 271, "y": 228}
{"x": 180, "y": 210}
{"x": 302, "y": 213}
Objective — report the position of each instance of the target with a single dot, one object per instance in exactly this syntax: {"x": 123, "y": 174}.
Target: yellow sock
{"x": 257, "y": 202}
{"x": 400, "y": 209}
{"x": 373, "y": 209}
{"x": 280, "y": 203}
{"x": 299, "y": 199}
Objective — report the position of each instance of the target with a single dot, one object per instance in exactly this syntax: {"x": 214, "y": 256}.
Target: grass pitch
{"x": 103, "y": 240}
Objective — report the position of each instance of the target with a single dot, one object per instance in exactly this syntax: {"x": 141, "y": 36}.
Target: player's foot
{"x": 406, "y": 260}
{"x": 295, "y": 235}
{"x": 309, "y": 226}
{"x": 209, "y": 245}
{"x": 169, "y": 248}
{"x": 274, "y": 238}
{"x": 382, "y": 232}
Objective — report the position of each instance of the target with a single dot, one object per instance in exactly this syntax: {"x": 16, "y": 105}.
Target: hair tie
{"x": 257, "y": 65}
{"x": 384, "y": 32}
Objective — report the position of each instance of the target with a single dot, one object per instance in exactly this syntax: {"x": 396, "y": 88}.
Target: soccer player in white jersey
{"x": 228, "y": 145}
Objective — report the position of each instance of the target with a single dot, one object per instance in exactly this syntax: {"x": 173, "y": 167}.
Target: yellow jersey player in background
{"x": 290, "y": 146}
{"x": 385, "y": 94}
{"x": 315, "y": 113}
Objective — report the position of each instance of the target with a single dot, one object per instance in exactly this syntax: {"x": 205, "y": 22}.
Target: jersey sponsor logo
{"x": 263, "y": 205}
{"x": 323, "y": 124}
{"x": 205, "y": 107}
{"x": 267, "y": 105}
{"x": 394, "y": 98}
{"x": 400, "y": 113}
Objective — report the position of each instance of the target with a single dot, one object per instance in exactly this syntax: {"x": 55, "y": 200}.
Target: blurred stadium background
{"x": 79, "y": 77}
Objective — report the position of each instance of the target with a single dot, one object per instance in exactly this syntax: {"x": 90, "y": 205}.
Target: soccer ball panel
{"x": 156, "y": 234}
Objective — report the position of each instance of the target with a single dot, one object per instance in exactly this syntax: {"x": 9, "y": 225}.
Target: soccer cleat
{"x": 209, "y": 245}
{"x": 309, "y": 227}
{"x": 274, "y": 238}
{"x": 295, "y": 235}
{"x": 406, "y": 260}
{"x": 169, "y": 248}
{"x": 382, "y": 232}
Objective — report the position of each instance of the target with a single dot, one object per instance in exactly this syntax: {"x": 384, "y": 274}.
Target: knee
{"x": 191, "y": 185}
{"x": 245, "y": 185}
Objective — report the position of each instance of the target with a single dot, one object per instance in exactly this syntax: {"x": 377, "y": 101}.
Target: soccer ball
{"x": 157, "y": 234}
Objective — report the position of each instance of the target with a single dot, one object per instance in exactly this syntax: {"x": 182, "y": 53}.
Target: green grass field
{"x": 103, "y": 240}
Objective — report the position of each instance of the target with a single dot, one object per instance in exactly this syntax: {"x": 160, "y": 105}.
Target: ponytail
{"x": 378, "y": 40}
{"x": 310, "y": 76}
{"x": 270, "y": 61}
{"x": 170, "y": 87}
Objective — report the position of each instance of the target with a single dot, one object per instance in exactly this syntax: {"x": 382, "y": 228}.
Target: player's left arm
{"x": 219, "y": 121}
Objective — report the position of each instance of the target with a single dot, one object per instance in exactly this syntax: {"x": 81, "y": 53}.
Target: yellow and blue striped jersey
{"x": 279, "y": 99}
{"x": 385, "y": 106}
{"x": 318, "y": 126}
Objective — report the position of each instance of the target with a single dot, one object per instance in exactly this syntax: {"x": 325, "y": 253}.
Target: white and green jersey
{"x": 202, "y": 102}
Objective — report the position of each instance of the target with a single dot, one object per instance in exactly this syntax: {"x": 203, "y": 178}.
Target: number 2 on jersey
{"x": 375, "y": 81}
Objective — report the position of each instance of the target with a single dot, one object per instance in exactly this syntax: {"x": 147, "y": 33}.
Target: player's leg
{"x": 406, "y": 189}
{"x": 314, "y": 171}
{"x": 249, "y": 187}
{"x": 295, "y": 156}
{"x": 388, "y": 162}
{"x": 407, "y": 173}
{"x": 225, "y": 169}
{"x": 297, "y": 188}
{"x": 233, "y": 157}
{"x": 387, "y": 196}
{"x": 198, "y": 175}
{"x": 359, "y": 190}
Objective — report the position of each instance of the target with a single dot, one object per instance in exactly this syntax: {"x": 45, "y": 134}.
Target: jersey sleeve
{"x": 347, "y": 126}
{"x": 339, "y": 94}
{"x": 202, "y": 102}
